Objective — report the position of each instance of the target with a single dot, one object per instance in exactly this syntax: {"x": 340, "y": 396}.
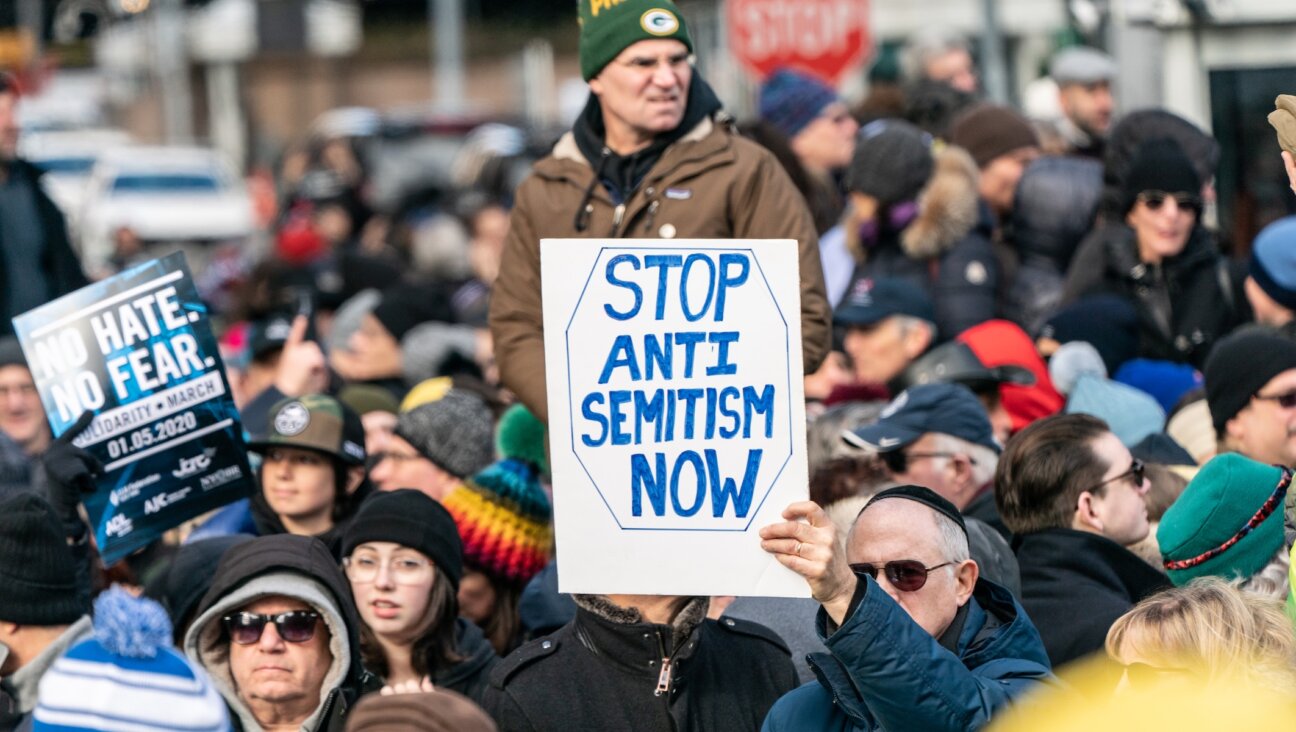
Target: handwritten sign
{"x": 676, "y": 412}
{"x": 138, "y": 351}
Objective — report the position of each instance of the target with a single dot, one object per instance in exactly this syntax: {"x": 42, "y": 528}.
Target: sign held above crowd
{"x": 676, "y": 408}
{"x": 137, "y": 350}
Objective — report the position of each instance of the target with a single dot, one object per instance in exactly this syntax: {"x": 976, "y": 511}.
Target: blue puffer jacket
{"x": 885, "y": 672}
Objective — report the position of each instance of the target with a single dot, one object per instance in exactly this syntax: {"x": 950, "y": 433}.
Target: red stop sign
{"x": 826, "y": 38}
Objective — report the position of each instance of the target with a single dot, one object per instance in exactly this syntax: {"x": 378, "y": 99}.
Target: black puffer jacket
{"x": 604, "y": 671}
{"x": 1185, "y": 305}
{"x": 471, "y": 675}
{"x": 1054, "y": 208}
{"x": 299, "y": 564}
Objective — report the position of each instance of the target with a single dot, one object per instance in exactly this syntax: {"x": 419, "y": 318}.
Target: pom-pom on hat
{"x": 128, "y": 676}
{"x": 503, "y": 512}
{"x": 608, "y": 27}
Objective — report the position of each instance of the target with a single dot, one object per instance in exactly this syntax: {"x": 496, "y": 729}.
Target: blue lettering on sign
{"x": 652, "y": 480}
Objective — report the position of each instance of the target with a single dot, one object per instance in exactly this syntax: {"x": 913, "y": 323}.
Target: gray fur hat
{"x": 456, "y": 432}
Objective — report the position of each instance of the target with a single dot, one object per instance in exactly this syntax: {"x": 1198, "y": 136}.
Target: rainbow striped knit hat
{"x": 502, "y": 512}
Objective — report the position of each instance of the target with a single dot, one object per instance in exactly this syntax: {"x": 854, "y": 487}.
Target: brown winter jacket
{"x": 721, "y": 186}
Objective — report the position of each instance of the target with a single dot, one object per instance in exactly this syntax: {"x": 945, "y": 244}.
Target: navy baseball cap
{"x": 949, "y": 409}
{"x": 870, "y": 300}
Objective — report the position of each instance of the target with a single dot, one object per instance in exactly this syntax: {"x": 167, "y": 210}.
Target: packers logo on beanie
{"x": 608, "y": 27}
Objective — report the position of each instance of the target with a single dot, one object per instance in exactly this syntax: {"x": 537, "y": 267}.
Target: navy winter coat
{"x": 885, "y": 672}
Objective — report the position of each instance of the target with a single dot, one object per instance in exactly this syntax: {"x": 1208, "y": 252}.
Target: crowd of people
{"x": 1048, "y": 420}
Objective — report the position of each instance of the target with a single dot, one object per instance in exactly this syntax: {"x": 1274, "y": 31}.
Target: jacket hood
{"x": 947, "y": 210}
{"x": 299, "y": 567}
{"x": 1005, "y": 630}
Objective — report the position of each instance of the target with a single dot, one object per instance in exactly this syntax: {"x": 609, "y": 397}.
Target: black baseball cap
{"x": 269, "y": 334}
{"x": 955, "y": 362}
{"x": 870, "y": 300}
{"x": 949, "y": 409}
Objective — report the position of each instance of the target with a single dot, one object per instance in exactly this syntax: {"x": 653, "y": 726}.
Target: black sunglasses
{"x": 1155, "y": 199}
{"x": 906, "y": 575}
{"x": 897, "y": 461}
{"x": 1286, "y": 401}
{"x": 294, "y": 626}
{"x": 1136, "y": 473}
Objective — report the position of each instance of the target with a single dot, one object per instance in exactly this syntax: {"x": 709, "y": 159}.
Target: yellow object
{"x": 426, "y": 392}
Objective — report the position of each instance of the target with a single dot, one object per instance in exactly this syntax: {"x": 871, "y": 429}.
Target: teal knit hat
{"x": 1227, "y": 523}
{"x": 608, "y": 27}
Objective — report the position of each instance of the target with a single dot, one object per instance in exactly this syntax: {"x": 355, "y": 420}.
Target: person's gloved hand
{"x": 1283, "y": 119}
{"x": 71, "y": 471}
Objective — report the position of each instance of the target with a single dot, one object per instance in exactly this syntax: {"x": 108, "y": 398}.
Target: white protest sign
{"x": 676, "y": 412}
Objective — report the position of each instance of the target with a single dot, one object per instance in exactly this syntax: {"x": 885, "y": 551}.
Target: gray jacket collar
{"x": 25, "y": 682}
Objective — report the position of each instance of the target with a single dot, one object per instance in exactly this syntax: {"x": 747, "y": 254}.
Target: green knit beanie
{"x": 608, "y": 27}
{"x": 1215, "y": 511}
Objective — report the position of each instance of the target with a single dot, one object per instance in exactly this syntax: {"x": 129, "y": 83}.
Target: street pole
{"x": 171, "y": 64}
{"x": 447, "y": 53}
{"x": 996, "y": 69}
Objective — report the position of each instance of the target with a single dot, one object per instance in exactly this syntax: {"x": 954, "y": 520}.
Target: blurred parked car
{"x": 166, "y": 196}
{"x": 67, "y": 158}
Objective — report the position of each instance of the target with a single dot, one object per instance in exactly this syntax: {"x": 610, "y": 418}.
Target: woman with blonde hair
{"x": 1209, "y": 629}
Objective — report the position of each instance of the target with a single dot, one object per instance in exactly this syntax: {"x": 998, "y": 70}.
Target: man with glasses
{"x": 1073, "y": 497}
{"x": 1251, "y": 390}
{"x": 916, "y": 638}
{"x": 278, "y": 634}
{"x": 437, "y": 445}
{"x": 652, "y": 155}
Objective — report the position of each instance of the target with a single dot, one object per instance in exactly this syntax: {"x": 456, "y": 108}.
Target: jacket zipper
{"x": 664, "y": 677}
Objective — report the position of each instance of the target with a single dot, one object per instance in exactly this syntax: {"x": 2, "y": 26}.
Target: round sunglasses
{"x": 906, "y": 575}
{"x": 294, "y": 626}
{"x": 1155, "y": 199}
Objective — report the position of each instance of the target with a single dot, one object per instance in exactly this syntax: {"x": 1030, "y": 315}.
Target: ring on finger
{"x": 797, "y": 550}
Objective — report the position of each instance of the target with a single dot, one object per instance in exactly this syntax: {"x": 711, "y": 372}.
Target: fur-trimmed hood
{"x": 947, "y": 209}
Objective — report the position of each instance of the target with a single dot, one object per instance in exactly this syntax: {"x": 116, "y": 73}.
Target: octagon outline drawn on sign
{"x": 764, "y": 488}
{"x": 830, "y": 67}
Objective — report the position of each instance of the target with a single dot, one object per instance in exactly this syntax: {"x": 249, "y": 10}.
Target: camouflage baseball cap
{"x": 315, "y": 422}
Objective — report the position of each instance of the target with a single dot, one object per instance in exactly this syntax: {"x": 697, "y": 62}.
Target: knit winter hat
{"x": 128, "y": 677}
{"x": 608, "y": 27}
{"x": 790, "y": 100}
{"x": 1238, "y": 367}
{"x": 1130, "y": 414}
{"x": 366, "y": 398}
{"x": 38, "y": 578}
{"x": 892, "y": 161}
{"x": 1159, "y": 165}
{"x": 503, "y": 512}
{"x": 1227, "y": 523}
{"x": 454, "y": 432}
{"x": 1273, "y": 261}
{"x": 1166, "y": 381}
{"x": 988, "y": 131}
{"x": 405, "y": 306}
{"x": 410, "y": 518}
{"x": 437, "y": 711}
{"x": 11, "y": 354}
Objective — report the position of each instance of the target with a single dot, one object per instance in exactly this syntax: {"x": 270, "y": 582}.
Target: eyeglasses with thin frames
{"x": 906, "y": 575}
{"x": 897, "y": 461}
{"x": 1136, "y": 474}
{"x": 363, "y": 569}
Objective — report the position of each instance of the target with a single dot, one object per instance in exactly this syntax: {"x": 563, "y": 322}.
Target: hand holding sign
{"x": 302, "y": 368}
{"x": 71, "y": 470}
{"x": 807, "y": 544}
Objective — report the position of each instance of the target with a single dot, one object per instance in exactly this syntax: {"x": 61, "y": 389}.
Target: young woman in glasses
{"x": 404, "y": 560}
{"x": 1158, "y": 256}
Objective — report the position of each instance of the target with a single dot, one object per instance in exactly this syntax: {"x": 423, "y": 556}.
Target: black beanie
{"x": 927, "y": 497}
{"x": 38, "y": 577}
{"x": 1159, "y": 165}
{"x": 405, "y": 306}
{"x": 190, "y": 575}
{"x": 11, "y": 354}
{"x": 1238, "y": 367}
{"x": 892, "y": 162}
{"x": 410, "y": 518}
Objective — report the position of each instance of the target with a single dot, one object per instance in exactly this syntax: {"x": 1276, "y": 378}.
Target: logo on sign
{"x": 192, "y": 465}
{"x": 659, "y": 22}
{"x": 118, "y": 525}
{"x": 292, "y": 420}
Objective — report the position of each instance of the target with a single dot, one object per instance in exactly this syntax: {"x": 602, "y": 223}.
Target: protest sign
{"x": 676, "y": 412}
{"x": 138, "y": 351}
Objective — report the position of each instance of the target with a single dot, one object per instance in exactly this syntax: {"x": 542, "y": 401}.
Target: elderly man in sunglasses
{"x": 916, "y": 638}
{"x": 1251, "y": 390}
{"x": 278, "y": 634}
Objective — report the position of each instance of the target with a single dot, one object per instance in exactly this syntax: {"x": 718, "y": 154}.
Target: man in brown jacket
{"x": 651, "y": 156}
